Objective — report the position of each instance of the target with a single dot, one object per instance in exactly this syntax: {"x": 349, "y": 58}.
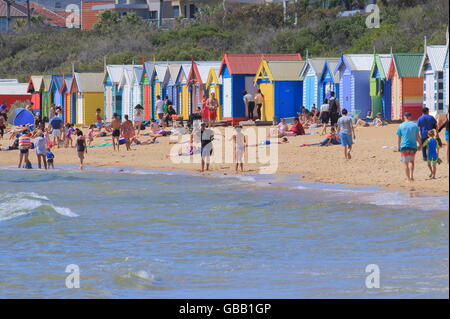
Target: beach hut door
{"x": 227, "y": 98}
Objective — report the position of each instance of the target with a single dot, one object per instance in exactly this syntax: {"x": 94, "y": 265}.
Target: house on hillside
{"x": 17, "y": 12}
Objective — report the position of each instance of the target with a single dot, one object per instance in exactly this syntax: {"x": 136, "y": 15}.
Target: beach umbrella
{"x": 21, "y": 117}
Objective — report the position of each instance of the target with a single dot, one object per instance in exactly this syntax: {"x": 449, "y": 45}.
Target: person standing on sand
{"x": 138, "y": 110}
{"x": 24, "y": 147}
{"x": 425, "y": 123}
{"x": 249, "y": 103}
{"x": 127, "y": 131}
{"x": 99, "y": 119}
{"x": 259, "y": 101}
{"x": 116, "y": 126}
{"x": 324, "y": 116}
{"x": 408, "y": 143}
{"x": 346, "y": 131}
{"x": 333, "y": 108}
{"x": 239, "y": 142}
{"x": 212, "y": 105}
{"x": 81, "y": 147}
{"x": 206, "y": 137}
{"x": 159, "y": 105}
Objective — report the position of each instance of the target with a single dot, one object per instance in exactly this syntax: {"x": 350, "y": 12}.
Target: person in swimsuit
{"x": 259, "y": 101}
{"x": 433, "y": 152}
{"x": 115, "y": 126}
{"x": 239, "y": 142}
{"x": 212, "y": 105}
{"x": 99, "y": 119}
{"x": 91, "y": 134}
{"x": 138, "y": 118}
{"x": 41, "y": 148}
{"x": 127, "y": 131}
{"x": 81, "y": 147}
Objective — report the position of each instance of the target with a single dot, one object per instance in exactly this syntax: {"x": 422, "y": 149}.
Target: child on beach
{"x": 50, "y": 158}
{"x": 68, "y": 136}
{"x": 81, "y": 147}
{"x": 91, "y": 134}
{"x": 41, "y": 149}
{"x": 433, "y": 152}
{"x": 24, "y": 146}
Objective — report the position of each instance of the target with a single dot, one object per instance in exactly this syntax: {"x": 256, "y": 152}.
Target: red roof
{"x": 17, "y": 11}
{"x": 51, "y": 17}
{"x": 89, "y": 16}
{"x": 249, "y": 63}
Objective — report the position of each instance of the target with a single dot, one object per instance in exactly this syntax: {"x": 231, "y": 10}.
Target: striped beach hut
{"x": 147, "y": 90}
{"x": 311, "y": 75}
{"x": 354, "y": 76}
{"x": 407, "y": 86}
{"x": 112, "y": 92}
{"x": 380, "y": 86}
{"x": 158, "y": 81}
{"x": 328, "y": 80}
{"x": 137, "y": 90}
{"x": 432, "y": 70}
{"x": 214, "y": 85}
{"x": 182, "y": 84}
{"x": 172, "y": 87}
{"x": 35, "y": 88}
{"x": 238, "y": 73}
{"x": 125, "y": 87}
{"x": 67, "y": 97}
{"x": 46, "y": 100}
{"x": 282, "y": 87}
{"x": 55, "y": 91}
{"x": 197, "y": 82}
{"x": 88, "y": 87}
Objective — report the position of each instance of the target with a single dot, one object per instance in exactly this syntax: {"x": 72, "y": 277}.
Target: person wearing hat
{"x": 408, "y": 143}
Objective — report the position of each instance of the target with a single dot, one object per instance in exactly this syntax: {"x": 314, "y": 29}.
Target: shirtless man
{"x": 99, "y": 119}
{"x": 116, "y": 125}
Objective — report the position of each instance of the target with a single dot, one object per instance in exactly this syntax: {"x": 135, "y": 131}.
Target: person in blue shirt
{"x": 433, "y": 152}
{"x": 408, "y": 143}
{"x": 50, "y": 158}
{"x": 426, "y": 123}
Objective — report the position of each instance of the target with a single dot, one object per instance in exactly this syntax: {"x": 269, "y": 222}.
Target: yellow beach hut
{"x": 214, "y": 85}
{"x": 88, "y": 87}
{"x": 282, "y": 87}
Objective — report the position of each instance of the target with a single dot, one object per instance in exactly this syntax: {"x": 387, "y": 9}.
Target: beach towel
{"x": 100, "y": 145}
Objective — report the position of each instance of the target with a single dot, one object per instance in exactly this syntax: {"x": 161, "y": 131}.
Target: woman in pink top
{"x": 205, "y": 111}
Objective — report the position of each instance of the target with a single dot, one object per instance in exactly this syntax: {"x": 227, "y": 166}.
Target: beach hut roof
{"x": 382, "y": 62}
{"x": 67, "y": 82}
{"x": 202, "y": 68}
{"x": 184, "y": 71}
{"x": 406, "y": 64}
{"x": 331, "y": 64}
{"x": 174, "y": 70}
{"x": 35, "y": 83}
{"x": 213, "y": 77}
{"x": 355, "y": 62}
{"x": 47, "y": 80}
{"x": 88, "y": 82}
{"x": 57, "y": 81}
{"x": 14, "y": 89}
{"x": 115, "y": 72}
{"x": 126, "y": 77}
{"x": 436, "y": 55}
{"x": 138, "y": 72}
{"x": 249, "y": 63}
{"x": 283, "y": 70}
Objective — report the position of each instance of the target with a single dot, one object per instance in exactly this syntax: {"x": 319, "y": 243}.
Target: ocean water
{"x": 142, "y": 234}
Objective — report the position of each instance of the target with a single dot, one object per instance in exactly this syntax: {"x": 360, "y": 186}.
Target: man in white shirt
{"x": 249, "y": 104}
{"x": 159, "y": 105}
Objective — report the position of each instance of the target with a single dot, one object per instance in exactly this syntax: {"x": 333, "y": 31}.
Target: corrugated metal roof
{"x": 385, "y": 60}
{"x": 317, "y": 64}
{"x": 332, "y": 63}
{"x": 174, "y": 69}
{"x": 37, "y": 80}
{"x": 9, "y": 81}
{"x": 67, "y": 81}
{"x": 57, "y": 80}
{"x": 115, "y": 72}
{"x": 286, "y": 70}
{"x": 17, "y": 11}
{"x": 249, "y": 63}
{"x": 89, "y": 82}
{"x": 408, "y": 64}
{"x": 138, "y": 71}
{"x": 436, "y": 54}
{"x": 359, "y": 62}
{"x": 161, "y": 70}
{"x": 46, "y": 80}
{"x": 14, "y": 89}
{"x": 204, "y": 67}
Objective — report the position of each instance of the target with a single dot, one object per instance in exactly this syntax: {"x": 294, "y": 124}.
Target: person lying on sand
{"x": 378, "y": 121}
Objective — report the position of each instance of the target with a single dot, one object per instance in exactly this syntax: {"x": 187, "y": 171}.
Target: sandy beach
{"x": 374, "y": 162}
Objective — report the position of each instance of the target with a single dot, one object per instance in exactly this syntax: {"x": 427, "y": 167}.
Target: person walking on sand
{"x": 333, "y": 108}
{"x": 81, "y": 147}
{"x": 259, "y": 101}
{"x": 324, "y": 116}
{"x": 346, "y": 131}
{"x": 57, "y": 126}
{"x": 99, "y": 119}
{"x": 239, "y": 142}
{"x": 41, "y": 150}
{"x": 408, "y": 143}
{"x": 50, "y": 159}
{"x": 212, "y": 105}
{"x": 116, "y": 126}
{"x": 127, "y": 131}
{"x": 425, "y": 123}
{"x": 206, "y": 138}
{"x": 432, "y": 153}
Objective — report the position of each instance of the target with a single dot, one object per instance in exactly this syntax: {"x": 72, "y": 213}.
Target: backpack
{"x": 333, "y": 106}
